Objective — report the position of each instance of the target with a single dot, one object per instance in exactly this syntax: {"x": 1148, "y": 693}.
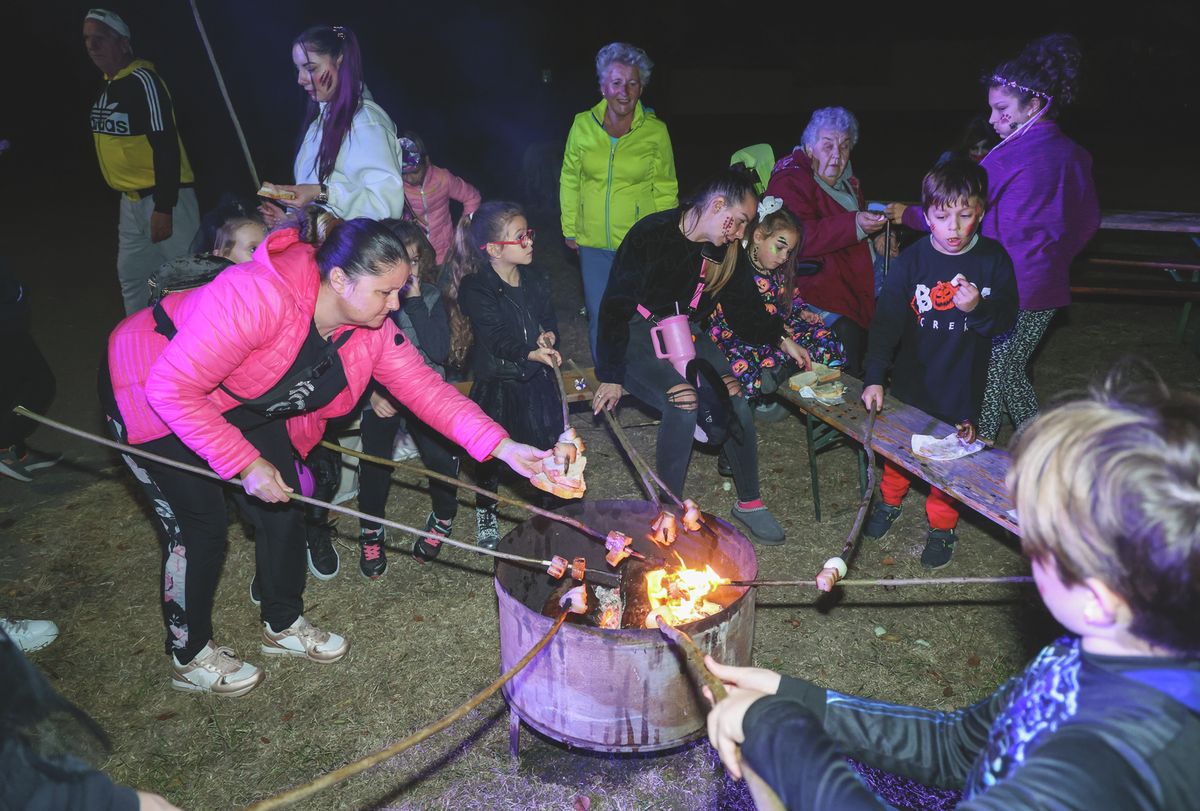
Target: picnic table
{"x": 978, "y": 480}
{"x": 1183, "y": 272}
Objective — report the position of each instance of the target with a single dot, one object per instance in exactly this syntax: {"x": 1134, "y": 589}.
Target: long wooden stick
{"x": 865, "y": 501}
{"x": 362, "y": 764}
{"x": 913, "y": 581}
{"x": 562, "y": 393}
{"x": 210, "y": 474}
{"x": 515, "y": 502}
{"x": 765, "y": 798}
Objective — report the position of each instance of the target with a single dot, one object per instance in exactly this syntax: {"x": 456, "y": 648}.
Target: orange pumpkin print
{"x": 942, "y": 295}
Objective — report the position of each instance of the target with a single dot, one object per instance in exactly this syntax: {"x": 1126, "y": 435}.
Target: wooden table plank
{"x": 977, "y": 480}
{"x": 1180, "y": 222}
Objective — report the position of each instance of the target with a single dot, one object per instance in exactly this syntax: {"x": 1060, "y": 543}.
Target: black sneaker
{"x": 487, "y": 528}
{"x": 939, "y": 547}
{"x": 723, "y": 466}
{"x": 372, "y": 560}
{"x": 255, "y": 593}
{"x": 425, "y": 549}
{"x": 880, "y": 520}
{"x": 323, "y": 559}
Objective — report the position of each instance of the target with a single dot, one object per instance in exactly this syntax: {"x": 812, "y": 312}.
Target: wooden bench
{"x": 1126, "y": 277}
{"x": 978, "y": 480}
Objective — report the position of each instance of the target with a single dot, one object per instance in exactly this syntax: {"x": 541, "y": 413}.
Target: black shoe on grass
{"x": 880, "y": 520}
{"x": 939, "y": 547}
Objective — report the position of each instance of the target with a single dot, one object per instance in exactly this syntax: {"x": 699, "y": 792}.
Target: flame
{"x": 610, "y": 617}
{"x": 679, "y": 594}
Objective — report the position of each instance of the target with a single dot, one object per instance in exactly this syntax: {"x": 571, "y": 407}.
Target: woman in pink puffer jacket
{"x": 259, "y": 359}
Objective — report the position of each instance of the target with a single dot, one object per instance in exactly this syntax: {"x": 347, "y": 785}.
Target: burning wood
{"x": 679, "y": 595}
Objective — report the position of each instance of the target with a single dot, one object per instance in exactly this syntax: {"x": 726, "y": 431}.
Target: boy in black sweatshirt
{"x": 944, "y": 299}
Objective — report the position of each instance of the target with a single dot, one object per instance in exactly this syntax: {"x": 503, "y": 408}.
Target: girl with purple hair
{"x": 348, "y": 160}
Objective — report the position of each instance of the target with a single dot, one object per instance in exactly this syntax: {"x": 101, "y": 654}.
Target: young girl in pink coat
{"x": 242, "y": 374}
{"x": 428, "y": 190}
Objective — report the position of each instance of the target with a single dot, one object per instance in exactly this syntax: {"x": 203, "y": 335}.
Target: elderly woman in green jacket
{"x": 617, "y": 168}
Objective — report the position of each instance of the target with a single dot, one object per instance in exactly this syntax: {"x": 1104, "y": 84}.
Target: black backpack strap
{"x": 163, "y": 324}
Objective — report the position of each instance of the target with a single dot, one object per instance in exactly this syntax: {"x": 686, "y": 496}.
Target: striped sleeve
{"x": 154, "y": 106}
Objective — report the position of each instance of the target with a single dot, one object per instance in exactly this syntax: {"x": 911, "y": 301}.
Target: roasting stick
{"x": 835, "y": 568}
{"x": 765, "y": 798}
{"x": 208, "y": 473}
{"x": 915, "y": 581}
{"x": 515, "y": 502}
{"x": 562, "y": 393}
{"x": 362, "y": 764}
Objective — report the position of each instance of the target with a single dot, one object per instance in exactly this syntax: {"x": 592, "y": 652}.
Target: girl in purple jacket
{"x": 1042, "y": 208}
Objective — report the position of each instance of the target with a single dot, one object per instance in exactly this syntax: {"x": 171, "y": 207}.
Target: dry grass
{"x": 425, "y": 637}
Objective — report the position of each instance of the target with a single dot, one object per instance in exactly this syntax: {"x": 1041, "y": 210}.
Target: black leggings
{"x": 374, "y": 481}
{"x": 191, "y": 527}
{"x": 649, "y": 379}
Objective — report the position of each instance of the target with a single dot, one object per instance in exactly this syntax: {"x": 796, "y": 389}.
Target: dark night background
{"x": 469, "y": 78}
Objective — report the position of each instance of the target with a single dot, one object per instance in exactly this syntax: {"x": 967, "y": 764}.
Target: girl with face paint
{"x": 348, "y": 161}
{"x": 1034, "y": 168}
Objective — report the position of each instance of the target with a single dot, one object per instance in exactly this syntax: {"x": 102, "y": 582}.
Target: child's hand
{"x": 725, "y": 731}
{"x": 546, "y": 340}
{"x": 797, "y": 353}
{"x": 525, "y": 460}
{"x": 966, "y": 295}
{"x": 758, "y": 679}
{"x": 809, "y": 317}
{"x": 895, "y": 212}
{"x": 872, "y": 398}
{"x": 382, "y": 405}
{"x": 413, "y": 288}
{"x": 546, "y": 355}
{"x": 272, "y": 214}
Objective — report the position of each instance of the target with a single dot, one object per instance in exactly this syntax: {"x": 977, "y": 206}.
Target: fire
{"x": 679, "y": 594}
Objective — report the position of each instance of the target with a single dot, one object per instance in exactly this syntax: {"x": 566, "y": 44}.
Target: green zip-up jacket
{"x": 608, "y": 184}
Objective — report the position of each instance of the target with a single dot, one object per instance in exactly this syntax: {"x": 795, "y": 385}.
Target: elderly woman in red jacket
{"x": 239, "y": 375}
{"x": 818, "y": 185}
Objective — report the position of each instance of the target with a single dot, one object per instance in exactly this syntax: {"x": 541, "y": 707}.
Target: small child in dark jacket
{"x": 502, "y": 315}
{"x": 1107, "y": 717}
{"x": 944, "y": 299}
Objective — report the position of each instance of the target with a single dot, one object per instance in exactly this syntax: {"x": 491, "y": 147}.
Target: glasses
{"x": 524, "y": 240}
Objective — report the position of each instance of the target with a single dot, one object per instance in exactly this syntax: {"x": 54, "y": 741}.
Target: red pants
{"x": 940, "y": 509}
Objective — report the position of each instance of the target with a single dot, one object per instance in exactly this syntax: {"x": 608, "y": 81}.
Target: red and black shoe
{"x": 372, "y": 559}
{"x": 426, "y": 549}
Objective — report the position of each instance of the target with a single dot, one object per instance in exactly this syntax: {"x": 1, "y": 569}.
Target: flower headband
{"x": 769, "y": 205}
{"x": 1000, "y": 80}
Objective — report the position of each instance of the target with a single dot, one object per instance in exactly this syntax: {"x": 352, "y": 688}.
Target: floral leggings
{"x": 1009, "y": 390}
{"x": 749, "y": 361}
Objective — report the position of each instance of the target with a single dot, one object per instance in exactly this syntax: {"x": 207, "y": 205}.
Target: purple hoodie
{"x": 1042, "y": 208}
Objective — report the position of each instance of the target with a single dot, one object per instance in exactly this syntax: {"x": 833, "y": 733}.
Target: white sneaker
{"x": 215, "y": 670}
{"x": 306, "y": 641}
{"x": 30, "y": 635}
{"x": 404, "y": 448}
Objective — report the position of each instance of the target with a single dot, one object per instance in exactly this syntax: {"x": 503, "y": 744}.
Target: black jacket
{"x": 505, "y": 331}
{"x": 658, "y": 267}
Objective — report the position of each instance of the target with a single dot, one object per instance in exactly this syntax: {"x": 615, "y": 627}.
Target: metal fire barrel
{"x": 622, "y": 690}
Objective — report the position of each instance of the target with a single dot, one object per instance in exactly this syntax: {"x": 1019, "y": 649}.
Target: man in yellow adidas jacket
{"x": 618, "y": 167}
{"x": 141, "y": 156}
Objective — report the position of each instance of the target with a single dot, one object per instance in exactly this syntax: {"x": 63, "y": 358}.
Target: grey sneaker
{"x": 306, "y": 641}
{"x": 215, "y": 670}
{"x": 487, "y": 528}
{"x": 939, "y": 548}
{"x": 880, "y": 520}
{"x": 762, "y": 525}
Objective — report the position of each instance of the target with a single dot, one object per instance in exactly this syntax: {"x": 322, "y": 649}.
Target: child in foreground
{"x": 944, "y": 299}
{"x": 1108, "y": 717}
